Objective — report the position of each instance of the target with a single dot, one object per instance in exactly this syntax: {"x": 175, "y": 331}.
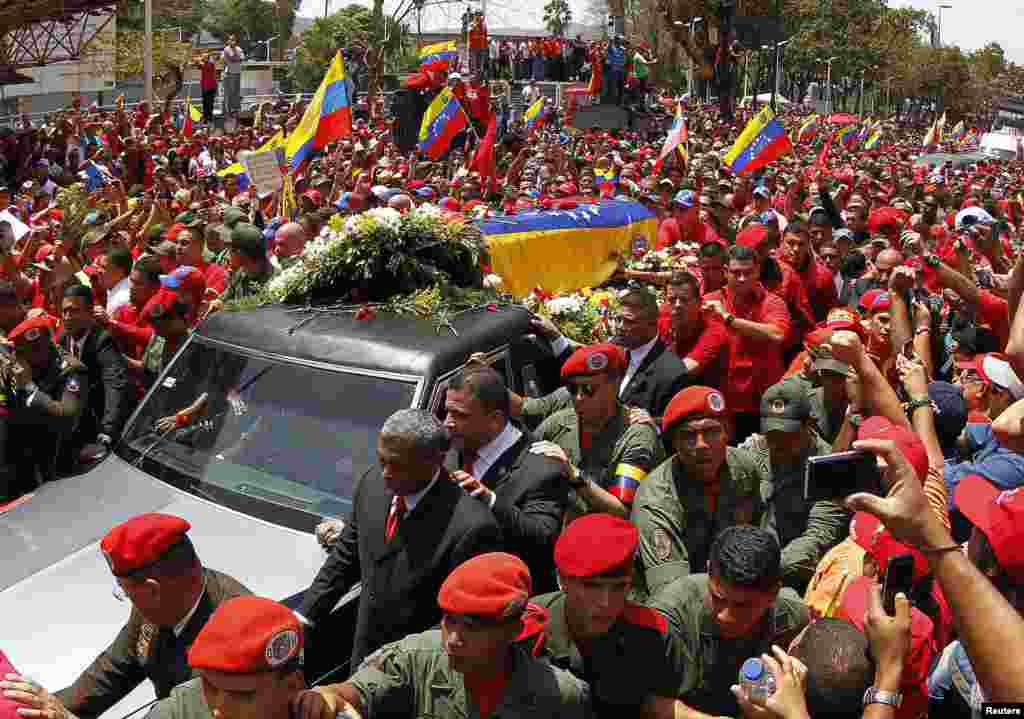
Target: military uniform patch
{"x": 716, "y": 403}
{"x": 597, "y": 362}
{"x": 778, "y": 406}
{"x": 662, "y": 545}
{"x": 281, "y": 647}
{"x": 146, "y": 634}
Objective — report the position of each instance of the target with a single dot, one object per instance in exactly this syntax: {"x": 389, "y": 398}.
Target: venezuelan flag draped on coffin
{"x": 564, "y": 250}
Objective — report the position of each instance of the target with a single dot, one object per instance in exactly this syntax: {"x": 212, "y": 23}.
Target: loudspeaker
{"x": 407, "y": 107}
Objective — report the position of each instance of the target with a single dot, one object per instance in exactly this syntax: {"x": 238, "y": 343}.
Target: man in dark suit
{"x": 526, "y": 493}
{"x": 654, "y": 375}
{"x": 111, "y": 396}
{"x": 410, "y": 526}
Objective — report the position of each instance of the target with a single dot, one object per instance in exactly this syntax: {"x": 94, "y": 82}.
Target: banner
{"x": 265, "y": 169}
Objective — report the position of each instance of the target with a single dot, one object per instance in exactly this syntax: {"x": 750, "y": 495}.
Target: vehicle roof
{"x": 393, "y": 343}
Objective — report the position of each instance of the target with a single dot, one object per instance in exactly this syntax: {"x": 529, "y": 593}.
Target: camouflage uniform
{"x": 623, "y": 667}
{"x": 412, "y": 678}
{"x": 145, "y": 651}
{"x": 618, "y": 444}
{"x": 707, "y": 663}
{"x": 243, "y": 284}
{"x": 676, "y": 526}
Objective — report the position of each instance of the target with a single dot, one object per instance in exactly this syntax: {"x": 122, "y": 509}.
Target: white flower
{"x": 429, "y": 211}
{"x": 387, "y": 216}
{"x": 352, "y": 225}
{"x": 493, "y": 282}
{"x": 563, "y": 305}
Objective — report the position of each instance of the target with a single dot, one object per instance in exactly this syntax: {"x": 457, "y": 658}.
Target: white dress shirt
{"x": 120, "y": 294}
{"x": 636, "y": 358}
{"x": 490, "y": 452}
{"x": 411, "y": 500}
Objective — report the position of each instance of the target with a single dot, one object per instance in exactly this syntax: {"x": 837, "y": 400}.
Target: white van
{"x": 999, "y": 145}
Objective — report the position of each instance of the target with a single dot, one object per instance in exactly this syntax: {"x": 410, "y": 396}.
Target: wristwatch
{"x": 932, "y": 260}
{"x": 729, "y": 319}
{"x": 880, "y": 696}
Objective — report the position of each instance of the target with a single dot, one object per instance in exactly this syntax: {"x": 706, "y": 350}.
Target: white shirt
{"x": 180, "y": 626}
{"x": 490, "y": 452}
{"x": 636, "y": 358}
{"x": 120, "y": 294}
{"x": 75, "y": 345}
{"x": 411, "y": 500}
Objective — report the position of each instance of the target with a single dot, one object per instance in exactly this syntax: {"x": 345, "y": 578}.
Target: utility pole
{"x": 147, "y": 56}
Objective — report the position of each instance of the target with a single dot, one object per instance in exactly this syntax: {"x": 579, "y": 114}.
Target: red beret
{"x": 907, "y": 442}
{"x": 596, "y": 544}
{"x": 160, "y": 304}
{"x": 31, "y": 329}
{"x": 752, "y": 236}
{"x": 494, "y": 586}
{"x": 141, "y": 540}
{"x": 594, "y": 359}
{"x": 247, "y": 635}
{"x": 694, "y": 401}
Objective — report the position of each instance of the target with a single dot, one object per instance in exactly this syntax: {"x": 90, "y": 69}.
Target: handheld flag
{"x": 94, "y": 178}
{"x": 483, "y": 160}
{"x": 534, "y": 114}
{"x": 438, "y": 56}
{"x": 762, "y": 141}
{"x": 807, "y": 129}
{"x": 442, "y": 121}
{"x": 959, "y": 131}
{"x": 941, "y": 128}
{"x": 328, "y": 117}
{"x": 931, "y": 137}
{"x": 873, "y": 139}
{"x": 678, "y": 137}
{"x": 847, "y": 136}
{"x": 191, "y": 115}
{"x": 607, "y": 178}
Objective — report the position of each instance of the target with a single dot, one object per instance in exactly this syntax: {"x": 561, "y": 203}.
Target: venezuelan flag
{"x": 534, "y": 114}
{"x": 808, "y": 128}
{"x": 238, "y": 168}
{"x": 873, "y": 140}
{"x": 959, "y": 131}
{"x": 438, "y": 56}
{"x": 678, "y": 138}
{"x": 762, "y": 141}
{"x": 328, "y": 117}
{"x": 931, "y": 137}
{"x": 847, "y": 136}
{"x": 442, "y": 121}
{"x": 606, "y": 180}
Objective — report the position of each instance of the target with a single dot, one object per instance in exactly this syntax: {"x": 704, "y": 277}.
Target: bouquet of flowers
{"x": 584, "y": 316}
{"x": 375, "y": 255}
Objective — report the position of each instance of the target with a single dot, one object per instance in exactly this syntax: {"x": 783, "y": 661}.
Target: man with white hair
{"x": 411, "y": 525}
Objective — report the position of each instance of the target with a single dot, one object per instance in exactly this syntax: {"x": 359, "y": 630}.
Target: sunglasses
{"x": 584, "y": 388}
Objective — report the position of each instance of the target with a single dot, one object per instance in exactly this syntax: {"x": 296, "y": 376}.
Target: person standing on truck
{"x": 233, "y": 57}
{"x": 157, "y": 570}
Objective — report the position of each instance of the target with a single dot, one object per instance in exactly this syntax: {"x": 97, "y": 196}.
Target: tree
{"x": 121, "y": 54}
{"x": 252, "y": 21}
{"x": 557, "y": 16}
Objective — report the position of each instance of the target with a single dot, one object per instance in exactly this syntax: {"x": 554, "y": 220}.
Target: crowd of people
{"x": 625, "y": 543}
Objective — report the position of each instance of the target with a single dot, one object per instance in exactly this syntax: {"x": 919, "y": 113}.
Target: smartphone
{"x": 833, "y": 476}
{"x": 530, "y": 382}
{"x": 899, "y": 577}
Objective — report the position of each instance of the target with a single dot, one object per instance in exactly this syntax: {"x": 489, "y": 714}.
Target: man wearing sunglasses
{"x": 606, "y": 458}
{"x": 156, "y": 568}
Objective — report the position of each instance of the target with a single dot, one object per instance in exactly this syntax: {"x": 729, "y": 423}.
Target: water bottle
{"x": 756, "y": 679}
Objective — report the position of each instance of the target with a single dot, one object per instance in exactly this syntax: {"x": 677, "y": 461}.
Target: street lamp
{"x": 828, "y": 84}
{"x": 778, "y": 70}
{"x": 689, "y": 65}
{"x": 941, "y": 8}
{"x": 267, "y": 43}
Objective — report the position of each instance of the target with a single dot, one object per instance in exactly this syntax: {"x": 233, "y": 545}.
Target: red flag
{"x": 483, "y": 160}
{"x": 186, "y": 129}
{"x": 822, "y": 163}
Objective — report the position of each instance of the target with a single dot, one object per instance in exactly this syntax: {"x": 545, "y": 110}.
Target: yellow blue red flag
{"x": 762, "y": 141}
{"x": 442, "y": 121}
{"x": 534, "y": 114}
{"x": 678, "y": 138}
{"x": 328, "y": 117}
{"x": 438, "y": 56}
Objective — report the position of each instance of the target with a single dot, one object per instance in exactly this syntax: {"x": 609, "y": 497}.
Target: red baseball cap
{"x": 907, "y": 442}
{"x": 1000, "y": 515}
{"x": 247, "y": 635}
{"x": 142, "y": 540}
{"x": 596, "y": 544}
{"x": 492, "y": 586}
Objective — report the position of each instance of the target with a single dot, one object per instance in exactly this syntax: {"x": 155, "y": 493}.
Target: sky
{"x": 969, "y": 23}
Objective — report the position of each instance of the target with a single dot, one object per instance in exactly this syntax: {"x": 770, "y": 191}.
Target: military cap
{"x": 784, "y": 407}
{"x": 31, "y": 329}
{"x": 594, "y": 359}
{"x": 155, "y": 233}
{"x": 247, "y": 239}
{"x": 693, "y": 402}
{"x": 596, "y": 544}
{"x": 189, "y": 219}
{"x": 141, "y": 541}
{"x": 247, "y": 635}
{"x": 820, "y": 350}
{"x": 232, "y": 216}
{"x": 492, "y": 586}
{"x": 907, "y": 442}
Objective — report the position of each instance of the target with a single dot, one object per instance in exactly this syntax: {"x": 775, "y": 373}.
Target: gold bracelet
{"x": 941, "y": 550}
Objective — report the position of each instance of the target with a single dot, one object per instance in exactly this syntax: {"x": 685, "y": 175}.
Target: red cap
{"x": 160, "y": 304}
{"x": 31, "y": 329}
{"x": 141, "y": 540}
{"x": 247, "y": 635}
{"x": 752, "y": 236}
{"x": 695, "y": 401}
{"x": 1000, "y": 515}
{"x": 863, "y": 528}
{"x": 906, "y": 441}
{"x": 8, "y": 707}
{"x": 594, "y": 359}
{"x": 596, "y": 544}
{"x": 493, "y": 586}
{"x": 314, "y": 196}
{"x": 875, "y": 300}
{"x": 43, "y": 253}
{"x": 881, "y": 545}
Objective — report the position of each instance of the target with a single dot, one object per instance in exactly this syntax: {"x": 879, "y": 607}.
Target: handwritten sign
{"x": 264, "y": 169}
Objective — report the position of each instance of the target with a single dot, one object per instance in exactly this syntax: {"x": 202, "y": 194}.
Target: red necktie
{"x": 396, "y": 515}
{"x": 469, "y": 458}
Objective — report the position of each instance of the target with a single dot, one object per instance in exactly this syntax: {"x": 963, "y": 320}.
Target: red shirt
{"x": 668, "y": 233}
{"x": 753, "y": 364}
{"x": 216, "y": 277}
{"x": 792, "y": 291}
{"x": 707, "y": 348}
{"x": 995, "y": 312}
{"x": 820, "y": 284}
{"x": 486, "y": 693}
{"x": 208, "y": 76}
{"x": 132, "y": 334}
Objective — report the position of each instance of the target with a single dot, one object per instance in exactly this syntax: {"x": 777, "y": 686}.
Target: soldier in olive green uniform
{"x": 805, "y": 529}
{"x": 606, "y": 457}
{"x": 471, "y": 667}
{"x": 719, "y": 620}
{"x": 248, "y": 657}
{"x": 619, "y": 648}
{"x": 254, "y": 268}
{"x": 703, "y": 488}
